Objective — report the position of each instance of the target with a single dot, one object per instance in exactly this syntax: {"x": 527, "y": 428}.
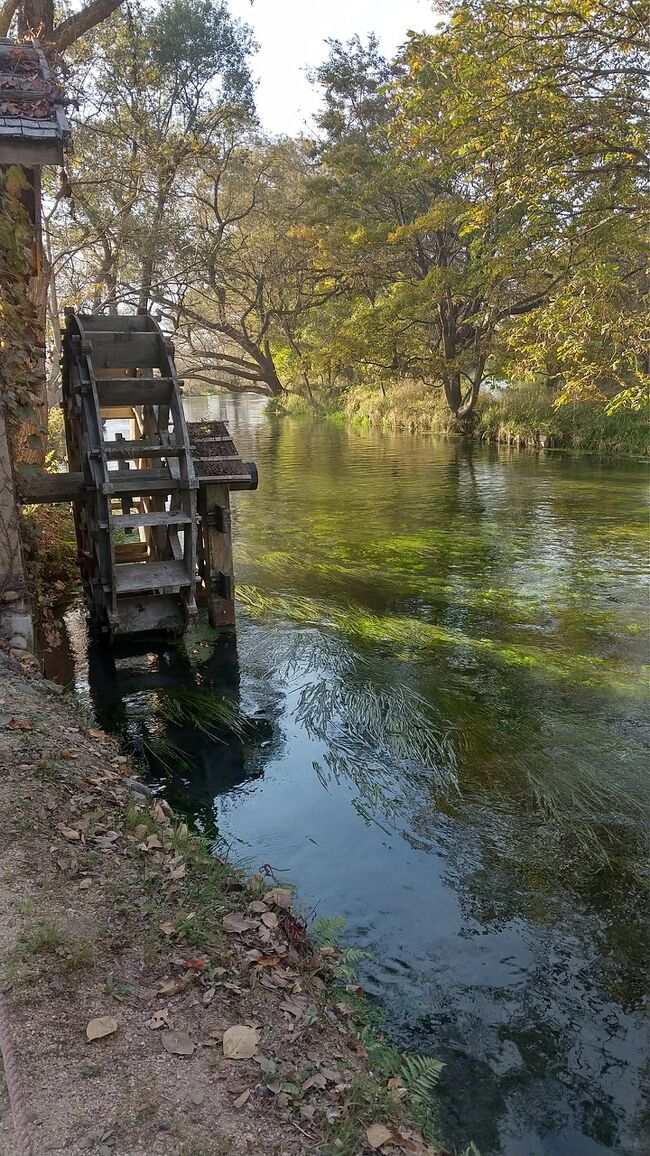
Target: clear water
{"x": 440, "y": 653}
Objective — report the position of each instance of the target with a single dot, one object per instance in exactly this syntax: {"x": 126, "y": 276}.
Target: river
{"x": 440, "y": 666}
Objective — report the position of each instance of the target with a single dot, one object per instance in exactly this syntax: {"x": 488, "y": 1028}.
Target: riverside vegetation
{"x": 523, "y": 416}
{"x": 470, "y": 211}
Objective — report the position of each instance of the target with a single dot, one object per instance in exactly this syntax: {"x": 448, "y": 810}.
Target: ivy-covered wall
{"x": 21, "y": 419}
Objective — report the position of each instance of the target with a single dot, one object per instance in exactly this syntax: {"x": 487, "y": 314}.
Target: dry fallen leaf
{"x": 280, "y": 896}
{"x": 16, "y": 724}
{"x": 270, "y": 919}
{"x": 70, "y": 834}
{"x": 167, "y": 928}
{"x": 236, "y": 922}
{"x": 295, "y": 1004}
{"x": 159, "y": 1019}
{"x": 101, "y": 1026}
{"x": 209, "y": 995}
{"x": 85, "y": 884}
{"x": 172, "y": 986}
{"x": 377, "y": 1135}
{"x": 241, "y": 1100}
{"x": 161, "y": 811}
{"x": 178, "y": 1043}
{"x": 153, "y": 843}
{"x": 240, "y": 1042}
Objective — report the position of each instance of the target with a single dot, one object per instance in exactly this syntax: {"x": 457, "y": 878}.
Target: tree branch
{"x": 7, "y": 13}
{"x": 76, "y": 25}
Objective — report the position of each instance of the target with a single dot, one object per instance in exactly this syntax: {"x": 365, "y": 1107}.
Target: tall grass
{"x": 519, "y": 415}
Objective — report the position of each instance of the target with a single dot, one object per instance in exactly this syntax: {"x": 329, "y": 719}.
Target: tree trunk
{"x": 453, "y": 392}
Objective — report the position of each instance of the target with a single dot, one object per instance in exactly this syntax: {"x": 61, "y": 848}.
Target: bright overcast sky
{"x": 292, "y": 35}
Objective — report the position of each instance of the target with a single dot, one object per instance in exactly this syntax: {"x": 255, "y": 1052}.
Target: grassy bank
{"x": 521, "y": 416}
{"x": 160, "y": 1000}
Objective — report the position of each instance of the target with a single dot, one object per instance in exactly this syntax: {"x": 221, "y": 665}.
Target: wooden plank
{"x": 137, "y": 577}
{"x": 42, "y": 489}
{"x": 140, "y": 482}
{"x": 151, "y": 518}
{"x": 232, "y": 481}
{"x": 119, "y": 350}
{"x": 118, "y": 413}
{"x": 130, "y": 391}
{"x": 140, "y": 449}
{"x": 17, "y": 151}
{"x": 115, "y": 323}
{"x": 149, "y": 613}
{"x": 135, "y": 551}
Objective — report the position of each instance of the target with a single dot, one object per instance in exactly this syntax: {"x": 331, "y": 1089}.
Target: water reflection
{"x": 440, "y": 658}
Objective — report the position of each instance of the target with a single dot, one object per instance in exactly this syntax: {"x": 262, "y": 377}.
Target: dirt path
{"x": 110, "y": 909}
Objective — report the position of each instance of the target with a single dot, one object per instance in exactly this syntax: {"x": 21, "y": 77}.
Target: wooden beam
{"x": 217, "y": 562}
{"x": 48, "y": 489}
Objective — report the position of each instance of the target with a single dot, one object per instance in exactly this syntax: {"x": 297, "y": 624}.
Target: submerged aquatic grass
{"x": 415, "y": 634}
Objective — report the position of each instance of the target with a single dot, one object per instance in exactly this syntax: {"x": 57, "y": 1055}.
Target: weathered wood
{"x": 125, "y": 350}
{"x": 130, "y": 391}
{"x": 138, "y": 578}
{"x": 217, "y": 561}
{"x": 141, "y": 449}
{"x": 150, "y": 518}
{"x": 49, "y": 489}
{"x": 116, "y": 322}
{"x": 135, "y": 551}
{"x": 140, "y": 482}
{"x": 151, "y": 612}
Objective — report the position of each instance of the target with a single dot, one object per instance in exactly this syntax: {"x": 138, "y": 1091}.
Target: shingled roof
{"x": 34, "y": 129}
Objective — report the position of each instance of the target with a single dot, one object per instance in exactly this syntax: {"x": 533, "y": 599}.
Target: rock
{"x": 10, "y": 596}
{"x": 138, "y": 788}
{"x": 17, "y": 642}
{"x": 53, "y": 686}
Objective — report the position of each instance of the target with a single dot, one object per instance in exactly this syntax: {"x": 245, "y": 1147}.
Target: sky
{"x": 292, "y": 35}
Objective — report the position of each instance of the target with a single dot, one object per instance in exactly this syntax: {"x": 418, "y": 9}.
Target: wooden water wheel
{"x": 153, "y": 533}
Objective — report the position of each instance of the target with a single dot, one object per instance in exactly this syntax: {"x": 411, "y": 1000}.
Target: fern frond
{"x": 420, "y": 1075}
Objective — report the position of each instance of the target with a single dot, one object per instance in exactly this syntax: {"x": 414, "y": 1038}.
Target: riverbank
{"x": 160, "y": 1002}
{"x": 520, "y": 417}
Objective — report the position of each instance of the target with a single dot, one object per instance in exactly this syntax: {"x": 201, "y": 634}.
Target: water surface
{"x": 441, "y": 656}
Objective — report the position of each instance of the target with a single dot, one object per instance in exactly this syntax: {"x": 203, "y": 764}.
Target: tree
{"x": 466, "y": 186}
{"x": 254, "y": 281}
{"x": 36, "y": 18}
{"x": 166, "y": 87}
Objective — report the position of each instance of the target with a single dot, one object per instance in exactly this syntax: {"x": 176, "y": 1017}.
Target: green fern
{"x": 420, "y": 1075}
{"x": 327, "y": 932}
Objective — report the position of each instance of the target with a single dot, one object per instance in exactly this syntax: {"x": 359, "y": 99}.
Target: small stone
{"x": 31, "y": 1116}
{"x": 164, "y": 1125}
{"x": 197, "y": 1097}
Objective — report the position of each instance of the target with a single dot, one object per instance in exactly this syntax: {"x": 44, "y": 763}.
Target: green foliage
{"x": 20, "y": 371}
{"x": 467, "y": 211}
{"x": 421, "y": 1075}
